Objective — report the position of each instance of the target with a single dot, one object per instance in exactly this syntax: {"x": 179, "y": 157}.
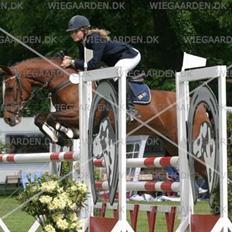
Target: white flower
{"x": 82, "y": 187}
{"x": 64, "y": 195}
{"x": 65, "y": 198}
{"x": 74, "y": 217}
{"x": 45, "y": 199}
{"x": 80, "y": 224}
{"x": 74, "y": 188}
{"x": 57, "y": 216}
{"x": 73, "y": 206}
{"x": 34, "y": 189}
{"x": 62, "y": 224}
{"x": 49, "y": 228}
{"x": 60, "y": 190}
{"x": 49, "y": 186}
{"x": 73, "y": 225}
{"x": 57, "y": 203}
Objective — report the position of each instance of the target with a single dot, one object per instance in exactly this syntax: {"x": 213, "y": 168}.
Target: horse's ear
{"x": 5, "y": 70}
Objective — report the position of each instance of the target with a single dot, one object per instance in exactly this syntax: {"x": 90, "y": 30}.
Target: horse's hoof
{"x": 50, "y": 132}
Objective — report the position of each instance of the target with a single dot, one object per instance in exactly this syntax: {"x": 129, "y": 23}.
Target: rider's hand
{"x": 67, "y": 57}
{"x": 67, "y": 61}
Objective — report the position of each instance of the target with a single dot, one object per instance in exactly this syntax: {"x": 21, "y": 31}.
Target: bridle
{"x": 20, "y": 102}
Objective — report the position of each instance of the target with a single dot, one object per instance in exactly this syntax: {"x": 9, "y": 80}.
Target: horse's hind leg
{"x": 41, "y": 122}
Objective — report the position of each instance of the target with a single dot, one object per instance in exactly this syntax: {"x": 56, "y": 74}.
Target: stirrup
{"x": 132, "y": 113}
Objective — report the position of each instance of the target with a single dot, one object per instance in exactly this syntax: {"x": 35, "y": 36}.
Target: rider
{"x": 112, "y": 53}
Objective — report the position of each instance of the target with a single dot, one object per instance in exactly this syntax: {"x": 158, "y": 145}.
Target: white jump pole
{"x": 223, "y": 223}
{"x": 85, "y": 98}
{"x": 3, "y": 226}
{"x": 185, "y": 185}
{"x": 122, "y": 225}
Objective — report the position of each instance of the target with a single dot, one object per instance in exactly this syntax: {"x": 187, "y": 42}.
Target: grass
{"x": 19, "y": 221}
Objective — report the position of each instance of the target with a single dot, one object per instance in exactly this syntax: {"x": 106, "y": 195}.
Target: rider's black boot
{"x": 132, "y": 113}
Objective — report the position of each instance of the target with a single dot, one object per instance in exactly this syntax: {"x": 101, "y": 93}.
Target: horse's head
{"x": 16, "y": 92}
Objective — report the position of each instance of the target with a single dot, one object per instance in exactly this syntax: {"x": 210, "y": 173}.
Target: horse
{"x": 20, "y": 79}
{"x": 19, "y": 82}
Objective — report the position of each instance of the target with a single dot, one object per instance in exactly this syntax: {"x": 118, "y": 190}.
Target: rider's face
{"x": 77, "y": 35}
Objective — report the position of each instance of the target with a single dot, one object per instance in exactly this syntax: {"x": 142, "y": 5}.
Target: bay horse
{"x": 20, "y": 79}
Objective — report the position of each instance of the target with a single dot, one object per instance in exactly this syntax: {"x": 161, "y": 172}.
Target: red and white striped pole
{"x": 160, "y": 186}
{"x": 156, "y": 162}
{"x": 39, "y": 157}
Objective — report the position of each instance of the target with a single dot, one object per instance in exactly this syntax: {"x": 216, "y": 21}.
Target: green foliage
{"x": 66, "y": 168}
{"x": 3, "y": 147}
{"x": 201, "y": 23}
{"x": 161, "y": 79}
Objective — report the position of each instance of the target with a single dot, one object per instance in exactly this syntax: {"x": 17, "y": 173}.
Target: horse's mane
{"x": 39, "y": 68}
{"x": 31, "y": 61}
{"x": 41, "y": 64}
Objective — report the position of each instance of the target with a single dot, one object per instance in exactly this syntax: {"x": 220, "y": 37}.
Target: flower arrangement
{"x": 54, "y": 203}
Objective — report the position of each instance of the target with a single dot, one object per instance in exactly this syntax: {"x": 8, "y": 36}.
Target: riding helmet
{"x": 77, "y": 22}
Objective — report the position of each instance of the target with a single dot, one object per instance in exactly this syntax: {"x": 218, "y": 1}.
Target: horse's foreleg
{"x": 41, "y": 122}
{"x": 65, "y": 122}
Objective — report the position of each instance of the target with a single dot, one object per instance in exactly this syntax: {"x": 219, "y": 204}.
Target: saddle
{"x": 139, "y": 91}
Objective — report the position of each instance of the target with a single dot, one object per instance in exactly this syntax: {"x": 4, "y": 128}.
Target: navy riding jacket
{"x": 107, "y": 51}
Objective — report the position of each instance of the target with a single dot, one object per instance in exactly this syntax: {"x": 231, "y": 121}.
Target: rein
{"x": 19, "y": 95}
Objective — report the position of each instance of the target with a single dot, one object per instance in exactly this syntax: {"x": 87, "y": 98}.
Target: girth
{"x": 61, "y": 86}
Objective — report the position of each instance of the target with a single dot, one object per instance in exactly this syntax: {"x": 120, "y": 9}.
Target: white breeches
{"x": 126, "y": 65}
